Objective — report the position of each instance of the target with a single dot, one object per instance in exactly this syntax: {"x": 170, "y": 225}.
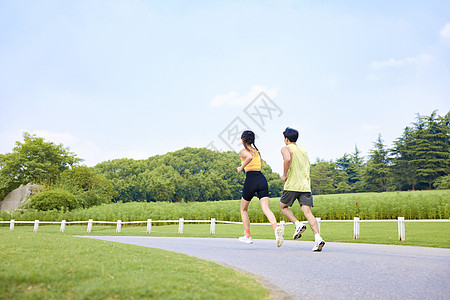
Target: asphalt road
{"x": 340, "y": 271}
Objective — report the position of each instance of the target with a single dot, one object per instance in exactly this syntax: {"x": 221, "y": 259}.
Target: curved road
{"x": 340, "y": 271}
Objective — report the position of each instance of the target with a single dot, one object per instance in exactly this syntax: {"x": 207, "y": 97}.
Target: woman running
{"x": 255, "y": 183}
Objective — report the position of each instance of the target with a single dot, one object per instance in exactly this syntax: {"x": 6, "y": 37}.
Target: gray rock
{"x": 20, "y": 196}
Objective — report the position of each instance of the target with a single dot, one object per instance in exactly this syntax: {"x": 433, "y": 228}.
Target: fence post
{"x": 180, "y": 226}
{"x": 401, "y": 229}
{"x": 212, "y": 230}
{"x": 63, "y": 225}
{"x": 11, "y": 225}
{"x": 36, "y": 225}
{"x": 282, "y": 223}
{"x": 149, "y": 225}
{"x": 89, "y": 228}
{"x": 356, "y": 228}
{"x": 119, "y": 226}
{"x": 318, "y": 223}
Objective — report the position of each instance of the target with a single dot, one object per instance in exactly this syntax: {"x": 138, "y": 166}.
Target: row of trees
{"x": 419, "y": 159}
{"x": 190, "y": 174}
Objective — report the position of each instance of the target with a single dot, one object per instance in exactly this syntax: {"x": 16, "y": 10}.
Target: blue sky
{"x": 113, "y": 79}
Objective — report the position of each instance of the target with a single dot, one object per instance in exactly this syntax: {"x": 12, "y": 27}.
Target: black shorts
{"x": 304, "y": 198}
{"x": 255, "y": 183}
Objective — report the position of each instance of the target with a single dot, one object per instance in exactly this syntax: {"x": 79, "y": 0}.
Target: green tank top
{"x": 298, "y": 174}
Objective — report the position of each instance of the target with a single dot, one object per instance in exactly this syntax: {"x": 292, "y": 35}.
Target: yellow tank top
{"x": 255, "y": 164}
{"x": 298, "y": 179}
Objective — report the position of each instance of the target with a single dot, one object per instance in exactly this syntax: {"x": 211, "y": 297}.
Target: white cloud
{"x": 378, "y": 65}
{"x": 233, "y": 98}
{"x": 445, "y": 32}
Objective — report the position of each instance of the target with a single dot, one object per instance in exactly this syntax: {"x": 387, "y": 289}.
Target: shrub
{"x": 54, "y": 199}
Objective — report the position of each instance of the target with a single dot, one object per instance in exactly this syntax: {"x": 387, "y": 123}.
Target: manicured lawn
{"x": 51, "y": 265}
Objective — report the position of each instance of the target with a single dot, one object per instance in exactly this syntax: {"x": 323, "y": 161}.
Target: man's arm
{"x": 287, "y": 159}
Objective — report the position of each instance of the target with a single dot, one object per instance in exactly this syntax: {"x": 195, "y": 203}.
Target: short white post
{"x": 401, "y": 229}
{"x": 36, "y": 225}
{"x": 282, "y": 223}
{"x": 63, "y": 225}
{"x": 356, "y": 228}
{"x": 11, "y": 224}
{"x": 119, "y": 226}
{"x": 149, "y": 225}
{"x": 212, "y": 230}
{"x": 318, "y": 223}
{"x": 89, "y": 228}
{"x": 180, "y": 226}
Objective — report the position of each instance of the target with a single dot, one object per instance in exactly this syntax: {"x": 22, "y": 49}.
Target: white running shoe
{"x": 245, "y": 239}
{"x": 279, "y": 236}
{"x": 318, "y": 245}
{"x": 298, "y": 231}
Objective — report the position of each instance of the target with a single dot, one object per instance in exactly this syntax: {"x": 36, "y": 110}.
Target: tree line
{"x": 419, "y": 159}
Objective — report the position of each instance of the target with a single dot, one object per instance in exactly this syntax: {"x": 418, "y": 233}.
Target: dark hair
{"x": 248, "y": 137}
{"x": 291, "y": 134}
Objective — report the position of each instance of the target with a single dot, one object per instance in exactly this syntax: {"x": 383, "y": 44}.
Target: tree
{"x": 422, "y": 153}
{"x": 35, "y": 161}
{"x": 377, "y": 173}
{"x": 351, "y": 165}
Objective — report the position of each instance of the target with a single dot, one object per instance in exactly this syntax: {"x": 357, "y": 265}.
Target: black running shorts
{"x": 304, "y": 198}
{"x": 255, "y": 183}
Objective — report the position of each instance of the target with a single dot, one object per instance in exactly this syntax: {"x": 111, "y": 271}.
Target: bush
{"x": 54, "y": 199}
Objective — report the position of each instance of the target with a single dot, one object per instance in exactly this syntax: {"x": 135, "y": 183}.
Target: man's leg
{"x": 299, "y": 226}
{"x": 311, "y": 219}
{"x": 287, "y": 212}
{"x": 319, "y": 242}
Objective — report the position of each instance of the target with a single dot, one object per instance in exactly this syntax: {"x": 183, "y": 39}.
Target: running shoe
{"x": 245, "y": 239}
{"x": 279, "y": 236}
{"x": 318, "y": 245}
{"x": 298, "y": 231}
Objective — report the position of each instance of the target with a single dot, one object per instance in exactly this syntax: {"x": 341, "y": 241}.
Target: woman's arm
{"x": 247, "y": 158}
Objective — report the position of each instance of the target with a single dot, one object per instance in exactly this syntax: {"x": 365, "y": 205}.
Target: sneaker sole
{"x": 246, "y": 242}
{"x": 299, "y": 234}
{"x": 319, "y": 248}
{"x": 279, "y": 236}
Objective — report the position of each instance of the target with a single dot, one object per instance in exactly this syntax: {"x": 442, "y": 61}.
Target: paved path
{"x": 340, "y": 271}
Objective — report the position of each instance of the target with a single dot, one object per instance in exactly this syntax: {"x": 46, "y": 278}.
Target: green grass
{"x": 51, "y": 265}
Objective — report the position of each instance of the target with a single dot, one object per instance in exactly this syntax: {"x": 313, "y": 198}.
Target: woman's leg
{"x": 266, "y": 210}
{"x": 244, "y": 216}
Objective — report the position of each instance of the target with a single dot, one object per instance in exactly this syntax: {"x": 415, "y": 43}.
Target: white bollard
{"x": 149, "y": 225}
{"x": 11, "y": 224}
{"x": 356, "y": 228}
{"x": 212, "y": 230}
{"x": 119, "y": 226}
{"x": 89, "y": 228}
{"x": 63, "y": 225}
{"x": 36, "y": 225}
{"x": 401, "y": 229}
{"x": 318, "y": 223}
{"x": 180, "y": 226}
{"x": 282, "y": 223}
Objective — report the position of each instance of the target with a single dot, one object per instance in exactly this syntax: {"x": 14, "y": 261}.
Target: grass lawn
{"x": 51, "y": 265}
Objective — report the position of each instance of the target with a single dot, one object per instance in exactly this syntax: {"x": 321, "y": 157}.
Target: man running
{"x": 298, "y": 187}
